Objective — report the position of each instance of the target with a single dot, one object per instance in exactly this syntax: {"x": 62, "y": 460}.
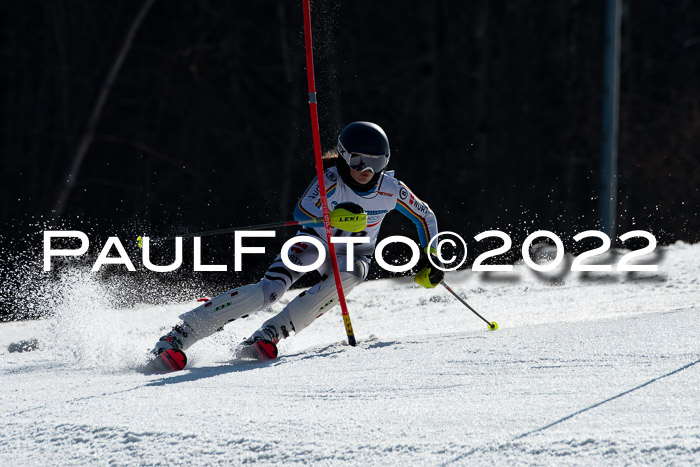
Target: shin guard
{"x": 313, "y": 303}
{"x": 211, "y": 316}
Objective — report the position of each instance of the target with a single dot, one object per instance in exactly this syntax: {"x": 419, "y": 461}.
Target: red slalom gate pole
{"x": 319, "y": 170}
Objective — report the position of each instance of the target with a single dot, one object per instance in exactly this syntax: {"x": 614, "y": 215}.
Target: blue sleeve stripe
{"x": 422, "y": 227}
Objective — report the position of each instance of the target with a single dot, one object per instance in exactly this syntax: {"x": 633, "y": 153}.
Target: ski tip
{"x": 259, "y": 351}
{"x": 266, "y": 350}
{"x": 175, "y": 359}
{"x": 166, "y": 362}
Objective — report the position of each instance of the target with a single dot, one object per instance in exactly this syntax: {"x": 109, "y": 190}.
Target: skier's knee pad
{"x": 317, "y": 300}
{"x": 237, "y": 303}
{"x": 272, "y": 290}
{"x": 361, "y": 269}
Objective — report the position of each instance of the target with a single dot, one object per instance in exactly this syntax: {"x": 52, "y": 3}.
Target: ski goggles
{"x": 362, "y": 162}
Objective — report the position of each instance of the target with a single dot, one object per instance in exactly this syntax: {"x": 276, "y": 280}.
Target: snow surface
{"x": 597, "y": 369}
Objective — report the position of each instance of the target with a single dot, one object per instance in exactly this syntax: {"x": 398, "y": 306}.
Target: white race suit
{"x": 388, "y": 194}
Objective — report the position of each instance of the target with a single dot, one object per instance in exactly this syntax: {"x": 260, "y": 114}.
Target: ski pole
{"x": 207, "y": 233}
{"x": 492, "y": 325}
{"x": 340, "y": 218}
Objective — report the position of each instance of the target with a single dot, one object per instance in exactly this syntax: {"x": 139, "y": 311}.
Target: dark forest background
{"x": 493, "y": 110}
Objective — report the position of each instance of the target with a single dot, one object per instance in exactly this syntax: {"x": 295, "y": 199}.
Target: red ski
{"x": 260, "y": 351}
{"x": 167, "y": 361}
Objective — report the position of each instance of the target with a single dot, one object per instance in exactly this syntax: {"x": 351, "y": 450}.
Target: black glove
{"x": 352, "y": 207}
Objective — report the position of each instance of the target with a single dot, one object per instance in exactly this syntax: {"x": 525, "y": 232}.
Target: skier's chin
{"x": 362, "y": 177}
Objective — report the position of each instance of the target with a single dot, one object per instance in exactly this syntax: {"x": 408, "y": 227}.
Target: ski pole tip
{"x": 493, "y": 326}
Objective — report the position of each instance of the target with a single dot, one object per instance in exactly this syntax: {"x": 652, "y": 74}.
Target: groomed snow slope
{"x": 584, "y": 371}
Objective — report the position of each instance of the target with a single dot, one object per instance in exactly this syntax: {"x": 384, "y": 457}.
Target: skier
{"x": 358, "y": 181}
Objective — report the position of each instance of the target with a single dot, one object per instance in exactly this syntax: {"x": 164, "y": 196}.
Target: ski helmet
{"x": 364, "y": 146}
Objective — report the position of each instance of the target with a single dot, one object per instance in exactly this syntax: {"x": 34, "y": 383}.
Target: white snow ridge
{"x": 601, "y": 369}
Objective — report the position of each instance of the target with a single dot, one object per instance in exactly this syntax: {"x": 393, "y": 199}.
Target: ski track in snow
{"x": 583, "y": 371}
